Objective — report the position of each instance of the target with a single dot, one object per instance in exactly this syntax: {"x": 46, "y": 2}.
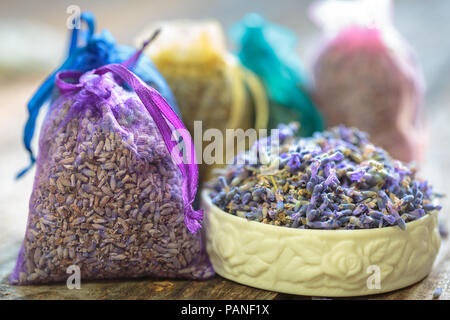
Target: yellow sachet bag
{"x": 209, "y": 83}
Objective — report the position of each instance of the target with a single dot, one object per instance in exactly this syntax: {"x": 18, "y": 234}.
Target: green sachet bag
{"x": 269, "y": 51}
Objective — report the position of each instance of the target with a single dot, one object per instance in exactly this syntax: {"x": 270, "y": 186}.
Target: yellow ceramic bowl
{"x": 329, "y": 263}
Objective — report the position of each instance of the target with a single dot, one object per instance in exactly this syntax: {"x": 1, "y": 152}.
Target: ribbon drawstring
{"x": 131, "y": 62}
{"x": 65, "y": 87}
{"x": 44, "y": 92}
{"x": 89, "y": 19}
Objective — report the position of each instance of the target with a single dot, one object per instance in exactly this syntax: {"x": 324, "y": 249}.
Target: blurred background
{"x": 34, "y": 41}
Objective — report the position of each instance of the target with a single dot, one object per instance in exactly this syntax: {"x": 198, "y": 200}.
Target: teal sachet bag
{"x": 269, "y": 51}
{"x": 88, "y": 51}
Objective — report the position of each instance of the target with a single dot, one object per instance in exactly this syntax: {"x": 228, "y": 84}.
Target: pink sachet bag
{"x": 366, "y": 76}
{"x": 112, "y": 196}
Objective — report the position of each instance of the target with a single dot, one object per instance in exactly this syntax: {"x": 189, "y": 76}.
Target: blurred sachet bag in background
{"x": 269, "y": 50}
{"x": 367, "y": 76}
{"x": 209, "y": 83}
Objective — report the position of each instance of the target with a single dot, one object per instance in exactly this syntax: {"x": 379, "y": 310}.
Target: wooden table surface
{"x": 420, "y": 22}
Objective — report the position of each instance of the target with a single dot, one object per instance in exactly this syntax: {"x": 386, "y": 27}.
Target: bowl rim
{"x": 205, "y": 196}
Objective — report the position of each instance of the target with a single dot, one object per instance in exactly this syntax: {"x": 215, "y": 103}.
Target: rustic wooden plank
{"x": 216, "y": 288}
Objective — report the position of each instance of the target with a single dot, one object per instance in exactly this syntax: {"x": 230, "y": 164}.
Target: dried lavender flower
{"x": 336, "y": 179}
{"x": 437, "y": 293}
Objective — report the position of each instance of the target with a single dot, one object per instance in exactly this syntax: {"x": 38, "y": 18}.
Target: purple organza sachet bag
{"x": 111, "y": 194}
